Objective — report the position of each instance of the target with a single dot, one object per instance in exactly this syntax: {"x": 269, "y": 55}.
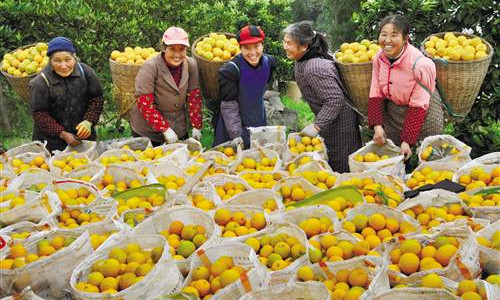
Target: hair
{"x": 399, "y": 21}
{"x": 301, "y": 32}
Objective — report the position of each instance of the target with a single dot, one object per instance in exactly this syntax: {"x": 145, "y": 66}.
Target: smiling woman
{"x": 243, "y": 82}
{"x": 66, "y": 98}
{"x": 164, "y": 106}
{"x": 404, "y": 103}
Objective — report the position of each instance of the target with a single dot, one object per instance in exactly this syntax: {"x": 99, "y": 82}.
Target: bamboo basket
{"x": 124, "y": 102}
{"x": 123, "y": 76}
{"x": 20, "y": 85}
{"x": 209, "y": 70}
{"x": 357, "y": 78}
{"x": 461, "y": 81}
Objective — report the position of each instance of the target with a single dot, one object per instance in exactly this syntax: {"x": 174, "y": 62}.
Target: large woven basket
{"x": 123, "y": 75}
{"x": 460, "y": 81}
{"x": 124, "y": 102}
{"x": 20, "y": 84}
{"x": 357, "y": 78}
{"x": 208, "y": 70}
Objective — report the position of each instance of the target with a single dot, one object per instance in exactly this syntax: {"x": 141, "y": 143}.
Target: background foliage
{"x": 100, "y": 26}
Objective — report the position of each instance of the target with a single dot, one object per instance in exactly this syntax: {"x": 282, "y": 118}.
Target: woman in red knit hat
{"x": 243, "y": 82}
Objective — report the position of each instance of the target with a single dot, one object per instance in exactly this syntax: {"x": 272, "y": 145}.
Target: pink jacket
{"x": 398, "y": 82}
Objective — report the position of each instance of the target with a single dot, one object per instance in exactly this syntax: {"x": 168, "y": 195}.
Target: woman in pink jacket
{"x": 404, "y": 103}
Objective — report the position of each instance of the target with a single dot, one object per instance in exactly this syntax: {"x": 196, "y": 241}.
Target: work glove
{"x": 237, "y": 141}
{"x": 83, "y": 129}
{"x": 196, "y": 134}
{"x": 310, "y": 130}
{"x": 170, "y": 136}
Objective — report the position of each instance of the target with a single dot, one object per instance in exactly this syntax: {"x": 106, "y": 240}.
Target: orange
{"x": 409, "y": 263}
{"x": 228, "y": 276}
{"x": 17, "y": 250}
{"x": 428, "y": 251}
{"x": 466, "y": 286}
{"x": 392, "y": 225}
{"x": 222, "y": 216}
{"x": 395, "y": 254}
{"x": 471, "y": 296}
{"x": 358, "y": 277}
{"x": 203, "y": 287}
{"x": 444, "y": 254}
{"x": 377, "y": 221}
{"x": 176, "y": 227}
{"x": 342, "y": 275}
{"x": 411, "y": 246}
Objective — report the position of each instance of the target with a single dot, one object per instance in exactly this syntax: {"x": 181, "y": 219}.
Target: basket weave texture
{"x": 460, "y": 81}
{"x": 20, "y": 84}
{"x": 208, "y": 70}
{"x": 357, "y": 78}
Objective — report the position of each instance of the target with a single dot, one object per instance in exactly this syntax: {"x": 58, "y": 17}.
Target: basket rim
{"x": 441, "y": 34}
{"x": 193, "y": 47}
{"x": 124, "y": 64}
{"x": 351, "y": 64}
{"x": 21, "y": 48}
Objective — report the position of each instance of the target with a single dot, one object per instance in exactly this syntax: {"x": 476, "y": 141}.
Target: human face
{"x": 391, "y": 40}
{"x": 63, "y": 63}
{"x": 293, "y": 50}
{"x": 252, "y": 53}
{"x": 175, "y": 55}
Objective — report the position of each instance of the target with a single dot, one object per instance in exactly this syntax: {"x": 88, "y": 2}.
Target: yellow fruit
{"x": 471, "y": 296}
{"x": 186, "y": 248}
{"x": 377, "y": 221}
{"x": 466, "y": 286}
{"x": 228, "y": 276}
{"x": 432, "y": 281}
{"x": 353, "y": 293}
{"x": 305, "y": 273}
{"x": 411, "y": 246}
{"x": 360, "y": 222}
{"x": 143, "y": 269}
{"x": 95, "y": 278}
{"x": 428, "y": 251}
{"x": 222, "y": 216}
{"x": 494, "y": 279}
{"x": 108, "y": 283}
{"x": 110, "y": 268}
{"x": 408, "y": 263}
{"x": 444, "y": 254}
{"x": 298, "y": 194}
{"x": 315, "y": 255}
{"x": 17, "y": 250}
{"x": 358, "y": 277}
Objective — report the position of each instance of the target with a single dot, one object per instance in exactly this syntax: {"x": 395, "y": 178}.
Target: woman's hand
{"x": 69, "y": 138}
{"x": 406, "y": 150}
{"x": 379, "y": 136}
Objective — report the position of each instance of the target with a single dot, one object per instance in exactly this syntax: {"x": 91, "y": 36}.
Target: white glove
{"x": 310, "y": 130}
{"x": 237, "y": 141}
{"x": 196, "y": 134}
{"x": 170, "y": 136}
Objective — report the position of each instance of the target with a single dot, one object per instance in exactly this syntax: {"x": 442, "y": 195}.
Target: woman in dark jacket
{"x": 66, "y": 98}
{"x": 242, "y": 83}
{"x": 320, "y": 85}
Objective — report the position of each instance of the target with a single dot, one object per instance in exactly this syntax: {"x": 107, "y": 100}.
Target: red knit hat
{"x": 250, "y": 34}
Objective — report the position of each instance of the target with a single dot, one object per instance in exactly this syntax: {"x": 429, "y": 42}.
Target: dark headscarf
{"x": 318, "y": 48}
